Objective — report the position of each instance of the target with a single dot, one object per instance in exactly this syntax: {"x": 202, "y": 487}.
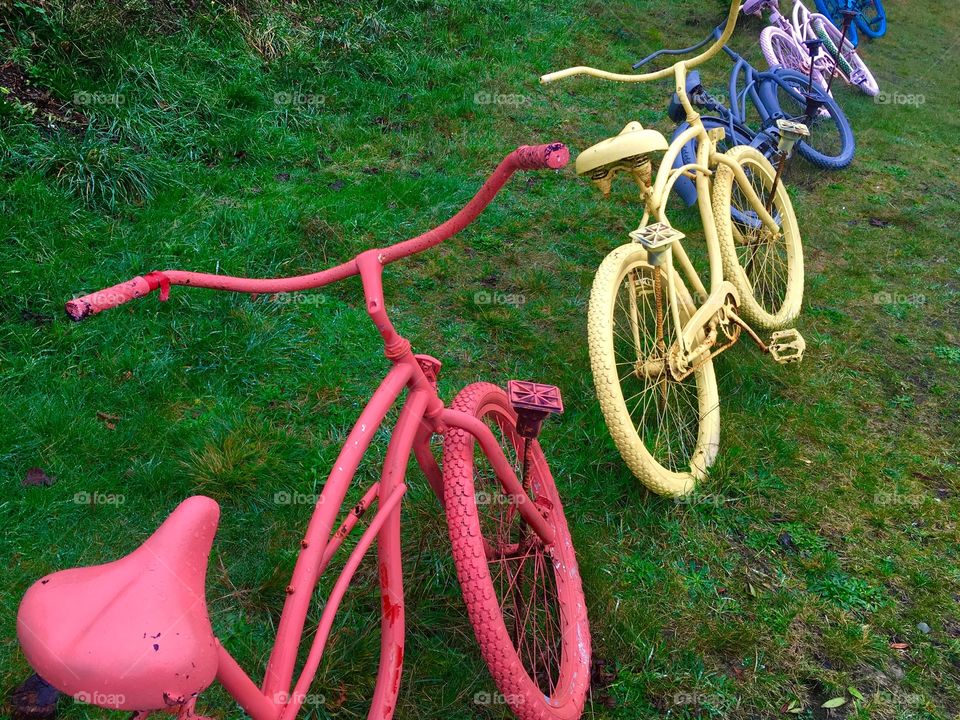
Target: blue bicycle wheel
{"x": 872, "y": 20}
{"x": 832, "y": 8}
{"x": 831, "y": 145}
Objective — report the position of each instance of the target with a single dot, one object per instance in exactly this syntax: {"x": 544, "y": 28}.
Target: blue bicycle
{"x": 872, "y": 20}
{"x": 775, "y": 94}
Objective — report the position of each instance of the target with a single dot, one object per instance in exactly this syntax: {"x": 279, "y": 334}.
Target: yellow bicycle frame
{"x": 691, "y": 332}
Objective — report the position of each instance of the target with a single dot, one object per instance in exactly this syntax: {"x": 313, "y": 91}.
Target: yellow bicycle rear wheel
{"x": 766, "y": 267}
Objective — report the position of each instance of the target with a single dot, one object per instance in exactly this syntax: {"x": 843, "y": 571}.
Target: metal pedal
{"x": 656, "y": 236}
{"x": 787, "y": 346}
{"x": 790, "y": 134}
{"x": 849, "y": 14}
{"x": 534, "y": 403}
{"x": 813, "y": 47}
{"x": 858, "y": 77}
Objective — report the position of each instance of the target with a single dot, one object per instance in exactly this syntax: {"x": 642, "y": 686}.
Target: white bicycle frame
{"x": 800, "y": 29}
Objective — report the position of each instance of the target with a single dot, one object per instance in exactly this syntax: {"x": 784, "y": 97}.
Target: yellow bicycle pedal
{"x": 787, "y": 346}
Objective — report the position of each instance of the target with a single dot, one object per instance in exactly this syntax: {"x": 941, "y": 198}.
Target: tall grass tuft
{"x": 99, "y": 168}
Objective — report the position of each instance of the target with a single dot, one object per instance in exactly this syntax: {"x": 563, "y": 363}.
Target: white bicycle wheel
{"x": 781, "y": 50}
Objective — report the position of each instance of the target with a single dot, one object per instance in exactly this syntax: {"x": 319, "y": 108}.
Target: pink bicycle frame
{"x": 423, "y": 414}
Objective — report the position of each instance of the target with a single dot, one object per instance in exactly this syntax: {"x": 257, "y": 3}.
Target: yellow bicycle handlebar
{"x": 659, "y": 74}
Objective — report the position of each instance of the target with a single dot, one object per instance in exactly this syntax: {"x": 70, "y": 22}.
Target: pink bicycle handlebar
{"x": 552, "y": 156}
{"x": 111, "y": 297}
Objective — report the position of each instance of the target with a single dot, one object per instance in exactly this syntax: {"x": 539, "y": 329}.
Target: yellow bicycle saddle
{"x": 633, "y": 140}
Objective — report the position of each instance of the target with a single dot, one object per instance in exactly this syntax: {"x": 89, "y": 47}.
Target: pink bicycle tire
{"x": 512, "y": 674}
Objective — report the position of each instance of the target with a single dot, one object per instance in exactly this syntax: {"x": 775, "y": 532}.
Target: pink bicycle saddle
{"x": 132, "y": 634}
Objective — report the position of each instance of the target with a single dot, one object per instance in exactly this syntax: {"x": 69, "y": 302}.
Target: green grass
{"x": 268, "y": 139}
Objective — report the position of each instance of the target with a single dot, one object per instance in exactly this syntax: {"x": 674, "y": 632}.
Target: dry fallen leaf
{"x": 109, "y": 420}
{"x": 34, "y": 699}
{"x": 341, "y": 697}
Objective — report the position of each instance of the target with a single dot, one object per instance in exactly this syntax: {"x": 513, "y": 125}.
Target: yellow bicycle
{"x": 653, "y": 332}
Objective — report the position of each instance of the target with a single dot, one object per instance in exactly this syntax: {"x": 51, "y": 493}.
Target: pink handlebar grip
{"x": 552, "y": 156}
{"x": 110, "y": 297}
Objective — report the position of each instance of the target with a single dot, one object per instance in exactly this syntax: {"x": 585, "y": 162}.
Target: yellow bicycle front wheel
{"x": 667, "y": 431}
{"x": 766, "y": 267}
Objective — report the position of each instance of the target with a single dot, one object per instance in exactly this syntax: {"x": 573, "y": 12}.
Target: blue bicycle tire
{"x": 780, "y": 84}
{"x": 831, "y": 8}
{"x": 877, "y": 27}
{"x": 685, "y": 188}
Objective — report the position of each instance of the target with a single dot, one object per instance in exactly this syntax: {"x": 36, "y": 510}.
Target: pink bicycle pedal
{"x": 534, "y": 403}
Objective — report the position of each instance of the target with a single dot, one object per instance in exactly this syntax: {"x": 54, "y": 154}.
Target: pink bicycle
{"x": 134, "y": 634}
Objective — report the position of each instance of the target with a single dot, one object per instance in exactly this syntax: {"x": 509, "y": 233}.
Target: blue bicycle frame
{"x": 733, "y": 118}
{"x": 872, "y": 20}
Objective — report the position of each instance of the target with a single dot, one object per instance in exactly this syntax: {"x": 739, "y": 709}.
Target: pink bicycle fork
{"x": 423, "y": 414}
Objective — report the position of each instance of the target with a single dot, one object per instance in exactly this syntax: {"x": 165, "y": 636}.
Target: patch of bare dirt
{"x": 48, "y": 111}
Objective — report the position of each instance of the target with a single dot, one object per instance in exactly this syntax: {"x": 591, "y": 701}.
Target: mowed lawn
{"x": 820, "y": 560}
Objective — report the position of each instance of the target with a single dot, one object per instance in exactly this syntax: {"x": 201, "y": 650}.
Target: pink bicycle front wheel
{"x": 524, "y": 599}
